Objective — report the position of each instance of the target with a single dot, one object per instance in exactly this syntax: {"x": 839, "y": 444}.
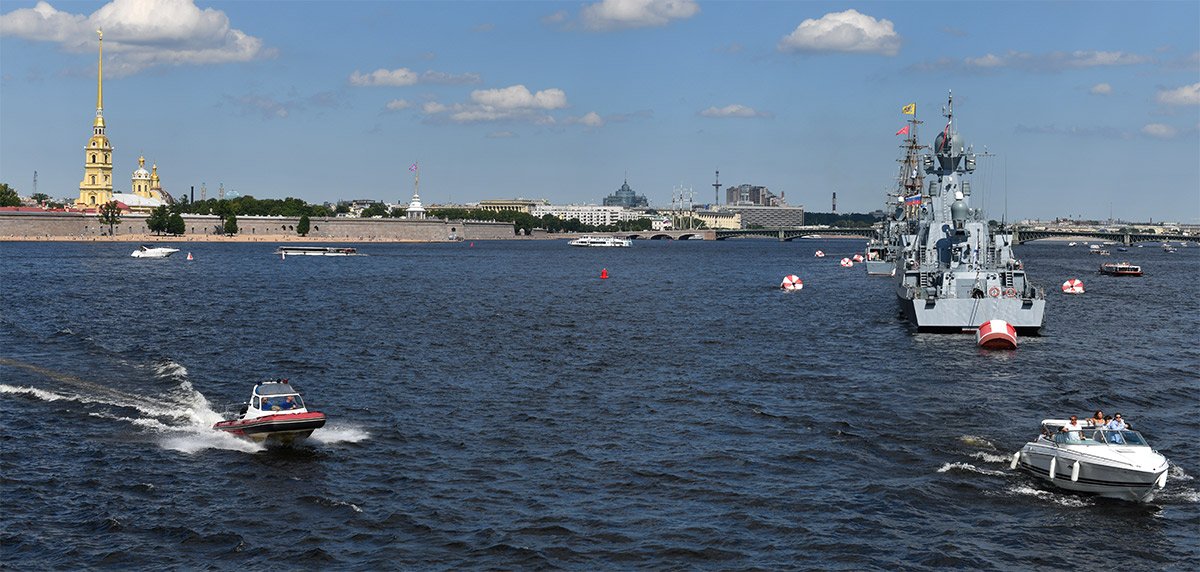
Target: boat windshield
{"x": 1101, "y": 437}
{"x": 282, "y": 403}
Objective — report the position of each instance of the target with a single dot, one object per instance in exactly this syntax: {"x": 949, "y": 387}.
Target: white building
{"x": 588, "y": 214}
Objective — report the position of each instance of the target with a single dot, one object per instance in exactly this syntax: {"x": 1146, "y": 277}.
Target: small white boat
{"x": 146, "y": 251}
{"x": 1071, "y": 244}
{"x": 286, "y": 251}
{"x": 1111, "y": 463}
{"x": 601, "y": 241}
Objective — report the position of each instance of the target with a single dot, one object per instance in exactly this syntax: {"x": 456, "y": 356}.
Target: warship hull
{"x": 880, "y": 267}
{"x": 957, "y": 314}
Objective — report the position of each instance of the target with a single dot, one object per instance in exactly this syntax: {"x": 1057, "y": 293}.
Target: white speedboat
{"x": 146, "y": 251}
{"x": 601, "y": 241}
{"x": 1107, "y": 462}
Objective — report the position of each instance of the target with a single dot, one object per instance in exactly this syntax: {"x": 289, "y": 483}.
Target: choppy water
{"x": 499, "y": 406}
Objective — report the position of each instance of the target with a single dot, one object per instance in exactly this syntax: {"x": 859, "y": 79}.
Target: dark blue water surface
{"x": 497, "y": 405}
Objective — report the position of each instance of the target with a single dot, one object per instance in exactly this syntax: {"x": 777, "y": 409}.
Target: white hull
{"x": 154, "y": 253}
{"x": 1096, "y": 475}
{"x": 969, "y": 313}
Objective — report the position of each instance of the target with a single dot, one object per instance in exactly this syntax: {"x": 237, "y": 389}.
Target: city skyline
{"x": 1090, "y": 109}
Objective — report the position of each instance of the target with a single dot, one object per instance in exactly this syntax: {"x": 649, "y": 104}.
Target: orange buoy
{"x": 846, "y": 263}
{"x": 1073, "y": 286}
{"x": 791, "y": 283}
{"x": 190, "y": 256}
{"x": 857, "y": 258}
{"x": 996, "y": 335}
{"x": 604, "y": 274}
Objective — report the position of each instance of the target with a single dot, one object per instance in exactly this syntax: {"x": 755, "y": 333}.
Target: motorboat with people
{"x": 1114, "y": 463}
{"x": 286, "y": 251}
{"x": 147, "y": 251}
{"x": 612, "y": 241}
{"x": 276, "y": 413}
{"x": 1120, "y": 269}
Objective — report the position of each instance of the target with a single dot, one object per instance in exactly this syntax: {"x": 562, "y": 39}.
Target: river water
{"x": 497, "y": 405}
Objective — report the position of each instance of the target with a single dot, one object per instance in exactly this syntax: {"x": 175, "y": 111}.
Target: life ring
{"x": 1010, "y": 293}
{"x": 994, "y": 292}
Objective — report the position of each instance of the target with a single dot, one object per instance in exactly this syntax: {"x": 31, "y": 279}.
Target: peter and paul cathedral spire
{"x": 96, "y": 187}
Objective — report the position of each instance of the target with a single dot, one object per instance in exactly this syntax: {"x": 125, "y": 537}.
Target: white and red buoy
{"x": 996, "y": 335}
{"x": 1073, "y": 286}
{"x": 791, "y": 283}
{"x": 819, "y": 254}
{"x": 846, "y": 263}
{"x": 190, "y": 256}
{"x": 857, "y": 258}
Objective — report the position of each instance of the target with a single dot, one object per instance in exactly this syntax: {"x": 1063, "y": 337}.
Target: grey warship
{"x": 900, "y": 207}
{"x": 954, "y": 272}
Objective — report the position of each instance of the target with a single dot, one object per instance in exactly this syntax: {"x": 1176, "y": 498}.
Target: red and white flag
{"x": 903, "y": 131}
{"x": 413, "y": 168}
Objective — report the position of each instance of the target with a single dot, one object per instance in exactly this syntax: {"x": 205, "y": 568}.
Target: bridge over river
{"x": 1026, "y": 234}
{"x": 782, "y": 234}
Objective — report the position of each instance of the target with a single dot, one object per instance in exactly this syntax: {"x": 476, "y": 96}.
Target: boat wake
{"x": 332, "y": 434}
{"x": 968, "y": 467}
{"x": 1066, "y": 500}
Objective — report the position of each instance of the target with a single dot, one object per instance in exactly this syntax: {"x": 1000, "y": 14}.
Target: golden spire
{"x": 100, "y": 83}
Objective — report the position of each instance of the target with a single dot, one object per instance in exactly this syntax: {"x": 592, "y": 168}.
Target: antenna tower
{"x": 717, "y": 189}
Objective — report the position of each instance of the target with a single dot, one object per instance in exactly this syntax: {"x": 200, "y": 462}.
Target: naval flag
{"x": 913, "y": 200}
{"x": 910, "y": 109}
{"x": 903, "y": 131}
{"x": 413, "y": 168}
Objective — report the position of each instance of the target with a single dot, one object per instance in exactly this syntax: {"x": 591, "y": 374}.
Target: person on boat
{"x": 1097, "y": 420}
{"x": 289, "y": 403}
{"x": 1117, "y": 423}
{"x": 1073, "y": 429}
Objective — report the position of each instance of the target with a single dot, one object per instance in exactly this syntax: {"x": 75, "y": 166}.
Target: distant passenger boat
{"x": 316, "y": 251}
{"x": 601, "y": 241}
{"x": 1120, "y": 269}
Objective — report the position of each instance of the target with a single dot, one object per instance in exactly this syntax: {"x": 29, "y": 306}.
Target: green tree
{"x": 8, "y": 196}
{"x": 40, "y": 198}
{"x": 231, "y": 224}
{"x": 110, "y": 214}
{"x": 175, "y": 225}
{"x": 302, "y": 226}
{"x": 342, "y": 208}
{"x": 157, "y": 221}
{"x": 376, "y": 209}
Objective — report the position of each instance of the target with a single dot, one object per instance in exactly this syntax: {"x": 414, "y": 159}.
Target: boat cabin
{"x": 273, "y": 398}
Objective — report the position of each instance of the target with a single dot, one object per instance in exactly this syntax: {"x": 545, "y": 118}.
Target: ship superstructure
{"x": 901, "y": 205}
{"x": 954, "y": 271}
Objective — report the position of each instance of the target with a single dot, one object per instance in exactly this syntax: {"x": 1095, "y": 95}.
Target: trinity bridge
{"x": 1021, "y": 234}
{"x": 782, "y": 234}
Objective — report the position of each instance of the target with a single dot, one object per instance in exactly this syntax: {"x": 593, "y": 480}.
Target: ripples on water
{"x": 496, "y": 405}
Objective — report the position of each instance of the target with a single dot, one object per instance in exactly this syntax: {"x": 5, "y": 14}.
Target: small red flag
{"x": 903, "y": 131}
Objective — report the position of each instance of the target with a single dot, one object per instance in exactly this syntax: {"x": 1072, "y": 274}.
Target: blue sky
{"x": 1088, "y": 106}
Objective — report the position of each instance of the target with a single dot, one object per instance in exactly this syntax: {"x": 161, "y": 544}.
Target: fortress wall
{"x": 66, "y": 225}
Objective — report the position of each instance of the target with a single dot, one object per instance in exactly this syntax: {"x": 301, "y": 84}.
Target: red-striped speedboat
{"x": 275, "y": 412}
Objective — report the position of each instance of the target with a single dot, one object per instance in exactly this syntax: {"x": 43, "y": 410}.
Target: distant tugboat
{"x": 883, "y": 250}
{"x": 954, "y": 272}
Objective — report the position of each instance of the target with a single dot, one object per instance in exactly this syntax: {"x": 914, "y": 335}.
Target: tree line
{"x": 524, "y": 222}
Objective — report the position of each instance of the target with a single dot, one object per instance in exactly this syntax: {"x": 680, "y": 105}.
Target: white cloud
{"x": 500, "y": 135}
{"x": 619, "y": 14}
{"x": 139, "y": 34}
{"x": 398, "y": 104}
{"x": 849, "y": 31}
{"x": 734, "y": 110}
{"x": 1159, "y": 130}
{"x": 403, "y": 76}
{"x": 1101, "y": 89}
{"x": 515, "y": 102}
{"x": 1185, "y": 95}
{"x": 988, "y": 61}
{"x": 519, "y": 97}
{"x": 591, "y": 119}
{"x": 1054, "y": 61}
